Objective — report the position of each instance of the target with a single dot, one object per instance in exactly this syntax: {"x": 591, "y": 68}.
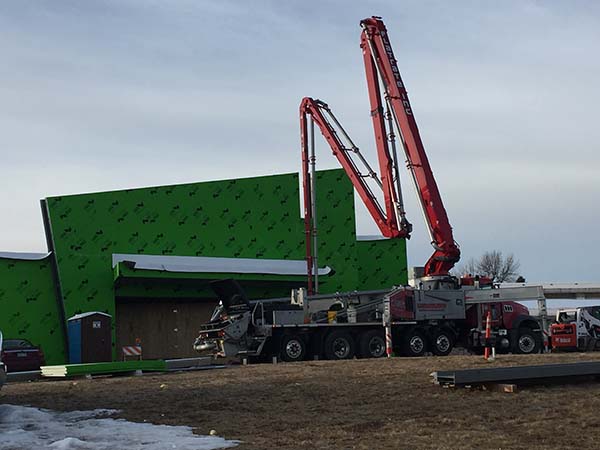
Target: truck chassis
{"x": 350, "y": 324}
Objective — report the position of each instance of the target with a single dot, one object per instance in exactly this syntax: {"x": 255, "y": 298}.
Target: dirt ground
{"x": 358, "y": 404}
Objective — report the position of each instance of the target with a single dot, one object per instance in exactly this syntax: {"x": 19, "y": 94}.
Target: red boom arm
{"x": 379, "y": 58}
{"x": 343, "y": 148}
{"x": 387, "y": 222}
{"x": 380, "y": 65}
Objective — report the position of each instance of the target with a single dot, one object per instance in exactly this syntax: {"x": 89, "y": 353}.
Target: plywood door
{"x": 166, "y": 328}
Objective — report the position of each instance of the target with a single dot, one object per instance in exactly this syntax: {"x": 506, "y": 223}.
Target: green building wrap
{"x": 256, "y": 218}
{"x": 28, "y": 306}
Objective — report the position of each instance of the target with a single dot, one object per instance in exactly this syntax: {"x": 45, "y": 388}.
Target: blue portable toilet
{"x": 90, "y": 337}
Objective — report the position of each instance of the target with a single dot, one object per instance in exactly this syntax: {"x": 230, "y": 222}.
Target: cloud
{"x": 106, "y": 95}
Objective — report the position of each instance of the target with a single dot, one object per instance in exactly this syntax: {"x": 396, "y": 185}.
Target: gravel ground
{"x": 358, "y": 404}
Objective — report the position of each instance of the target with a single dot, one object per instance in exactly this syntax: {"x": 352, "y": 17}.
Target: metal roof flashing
{"x": 87, "y": 314}
{"x": 24, "y": 256}
{"x": 203, "y": 264}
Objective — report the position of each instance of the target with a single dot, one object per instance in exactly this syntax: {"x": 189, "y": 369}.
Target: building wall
{"x": 29, "y": 308}
{"x": 245, "y": 218}
{"x": 382, "y": 263}
{"x": 248, "y": 218}
{"x": 242, "y": 218}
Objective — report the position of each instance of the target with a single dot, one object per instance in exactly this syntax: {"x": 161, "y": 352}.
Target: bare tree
{"x": 469, "y": 267}
{"x": 492, "y": 264}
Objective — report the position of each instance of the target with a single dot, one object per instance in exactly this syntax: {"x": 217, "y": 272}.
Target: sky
{"x": 104, "y": 95}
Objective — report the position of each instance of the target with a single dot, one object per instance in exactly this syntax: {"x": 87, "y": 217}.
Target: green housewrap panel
{"x": 250, "y": 218}
{"x": 336, "y": 230}
{"x": 29, "y": 308}
{"x": 382, "y": 263}
{"x": 242, "y": 218}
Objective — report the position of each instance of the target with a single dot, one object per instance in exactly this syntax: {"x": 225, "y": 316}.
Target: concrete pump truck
{"x": 434, "y": 313}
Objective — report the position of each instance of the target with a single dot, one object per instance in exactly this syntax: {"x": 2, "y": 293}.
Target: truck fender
{"x": 526, "y": 321}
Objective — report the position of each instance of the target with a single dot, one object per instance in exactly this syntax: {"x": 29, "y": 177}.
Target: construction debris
{"x": 518, "y": 375}
{"x": 188, "y": 363}
{"x": 104, "y": 368}
{"x": 501, "y": 387}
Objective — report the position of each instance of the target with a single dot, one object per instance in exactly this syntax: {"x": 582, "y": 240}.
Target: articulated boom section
{"x": 380, "y": 64}
{"x": 391, "y": 221}
{"x": 343, "y": 148}
{"x": 391, "y": 113}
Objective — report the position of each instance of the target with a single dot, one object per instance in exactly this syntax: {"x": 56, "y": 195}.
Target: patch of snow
{"x": 27, "y": 428}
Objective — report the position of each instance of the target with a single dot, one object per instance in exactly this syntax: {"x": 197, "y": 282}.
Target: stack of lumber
{"x": 77, "y": 370}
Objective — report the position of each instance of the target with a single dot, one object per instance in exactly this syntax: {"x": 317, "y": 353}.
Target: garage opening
{"x": 166, "y": 327}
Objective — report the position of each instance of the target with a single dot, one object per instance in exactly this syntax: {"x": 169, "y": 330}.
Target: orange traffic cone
{"x": 488, "y": 334}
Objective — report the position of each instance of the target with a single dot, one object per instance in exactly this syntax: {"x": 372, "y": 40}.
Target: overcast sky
{"x": 101, "y": 95}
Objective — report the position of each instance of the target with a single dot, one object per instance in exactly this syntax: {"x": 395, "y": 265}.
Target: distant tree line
{"x": 494, "y": 265}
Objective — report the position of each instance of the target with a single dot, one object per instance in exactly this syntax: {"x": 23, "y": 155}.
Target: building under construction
{"x": 146, "y": 256}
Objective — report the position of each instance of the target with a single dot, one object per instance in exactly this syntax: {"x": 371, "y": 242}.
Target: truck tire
{"x": 442, "y": 342}
{"x": 527, "y": 342}
{"x": 371, "y": 344}
{"x": 339, "y": 345}
{"x": 414, "y": 343}
{"x": 293, "y": 348}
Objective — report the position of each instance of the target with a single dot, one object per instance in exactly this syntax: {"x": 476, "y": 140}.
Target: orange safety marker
{"x": 388, "y": 341}
{"x": 132, "y": 350}
{"x": 488, "y": 334}
{"x": 387, "y": 325}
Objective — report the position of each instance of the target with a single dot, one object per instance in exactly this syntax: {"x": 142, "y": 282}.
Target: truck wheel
{"x": 528, "y": 342}
{"x": 339, "y": 345}
{"x": 414, "y": 343}
{"x": 442, "y": 342}
{"x": 371, "y": 344}
{"x": 293, "y": 348}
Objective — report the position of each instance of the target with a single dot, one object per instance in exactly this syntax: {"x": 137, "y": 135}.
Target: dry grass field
{"x": 358, "y": 404}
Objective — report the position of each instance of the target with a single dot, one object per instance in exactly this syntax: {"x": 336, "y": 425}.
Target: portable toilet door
{"x": 90, "y": 338}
